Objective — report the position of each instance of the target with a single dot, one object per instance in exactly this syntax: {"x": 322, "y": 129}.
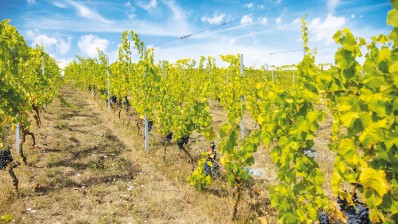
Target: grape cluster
{"x": 5, "y": 158}
{"x": 102, "y": 91}
{"x": 357, "y": 213}
{"x": 150, "y": 124}
{"x": 213, "y": 149}
{"x": 342, "y": 203}
{"x": 323, "y": 218}
{"x": 207, "y": 169}
{"x": 214, "y": 169}
{"x": 126, "y": 102}
{"x": 114, "y": 99}
{"x": 363, "y": 214}
{"x": 169, "y": 136}
{"x": 183, "y": 140}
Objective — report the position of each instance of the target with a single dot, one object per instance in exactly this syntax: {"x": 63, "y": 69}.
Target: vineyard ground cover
{"x": 83, "y": 172}
{"x": 255, "y": 199}
{"x": 90, "y": 168}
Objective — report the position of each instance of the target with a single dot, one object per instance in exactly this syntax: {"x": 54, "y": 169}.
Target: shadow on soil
{"x": 102, "y": 163}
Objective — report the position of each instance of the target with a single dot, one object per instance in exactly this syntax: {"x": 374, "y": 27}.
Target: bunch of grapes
{"x": 5, "y": 158}
{"x": 323, "y": 218}
{"x": 182, "y": 141}
{"x": 169, "y": 136}
{"x": 114, "y": 99}
{"x": 214, "y": 169}
{"x": 213, "y": 149}
{"x": 363, "y": 214}
{"x": 207, "y": 169}
{"x": 356, "y": 213}
{"x": 150, "y": 124}
{"x": 211, "y": 170}
{"x": 102, "y": 91}
{"x": 342, "y": 203}
{"x": 126, "y": 102}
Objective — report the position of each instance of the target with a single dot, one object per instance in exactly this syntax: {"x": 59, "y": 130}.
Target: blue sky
{"x": 258, "y": 29}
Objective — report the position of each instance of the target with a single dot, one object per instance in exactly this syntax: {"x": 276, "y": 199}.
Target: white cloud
{"x": 44, "y": 40}
{"x": 296, "y": 21}
{"x": 64, "y": 45}
{"x": 252, "y": 55}
{"x": 324, "y": 30}
{"x": 262, "y": 20}
{"x": 82, "y": 10}
{"x": 175, "y": 24}
{"x": 128, "y": 4}
{"x": 59, "y": 4}
{"x": 149, "y": 7}
{"x": 217, "y": 18}
{"x": 32, "y": 33}
{"x": 30, "y": 2}
{"x": 62, "y": 63}
{"x": 178, "y": 21}
{"x": 130, "y": 10}
{"x": 332, "y": 4}
{"x": 88, "y": 13}
{"x": 178, "y": 13}
{"x": 246, "y": 19}
{"x": 131, "y": 15}
{"x": 249, "y": 5}
{"x": 278, "y": 20}
{"x": 114, "y": 55}
{"x": 49, "y": 43}
{"x": 88, "y": 44}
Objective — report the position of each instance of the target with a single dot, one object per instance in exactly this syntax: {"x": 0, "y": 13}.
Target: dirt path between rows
{"x": 86, "y": 170}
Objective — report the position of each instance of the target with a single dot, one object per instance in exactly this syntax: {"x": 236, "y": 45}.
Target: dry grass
{"x": 90, "y": 167}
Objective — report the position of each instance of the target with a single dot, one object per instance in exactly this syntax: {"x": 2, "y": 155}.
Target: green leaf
{"x": 374, "y": 179}
{"x": 289, "y": 218}
{"x": 349, "y": 118}
{"x": 393, "y": 66}
{"x": 337, "y": 36}
{"x": 371, "y": 135}
{"x": 319, "y": 177}
{"x": 391, "y": 140}
{"x": 6, "y": 218}
{"x": 349, "y": 40}
{"x": 335, "y": 182}
{"x": 348, "y": 150}
{"x": 394, "y": 3}
{"x": 382, "y": 155}
{"x": 371, "y": 198}
{"x": 392, "y": 17}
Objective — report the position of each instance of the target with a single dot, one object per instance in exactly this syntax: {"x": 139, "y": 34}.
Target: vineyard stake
{"x": 146, "y": 118}
{"x": 109, "y": 84}
{"x": 17, "y": 138}
{"x": 243, "y": 98}
{"x": 42, "y": 73}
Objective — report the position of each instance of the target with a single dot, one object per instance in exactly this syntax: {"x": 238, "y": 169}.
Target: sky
{"x": 264, "y": 31}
